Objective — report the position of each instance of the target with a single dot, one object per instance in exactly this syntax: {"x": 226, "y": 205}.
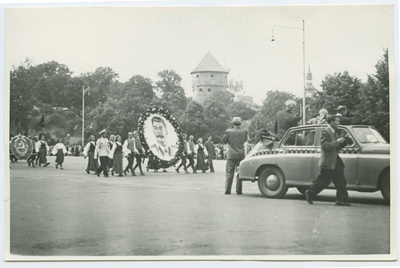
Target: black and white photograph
{"x": 219, "y": 132}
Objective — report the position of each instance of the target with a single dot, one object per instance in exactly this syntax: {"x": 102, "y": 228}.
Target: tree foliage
{"x": 193, "y": 121}
{"x": 338, "y": 89}
{"x": 50, "y": 89}
{"x": 373, "y": 106}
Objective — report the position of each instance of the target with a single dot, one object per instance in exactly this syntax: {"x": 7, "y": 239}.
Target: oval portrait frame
{"x": 165, "y": 114}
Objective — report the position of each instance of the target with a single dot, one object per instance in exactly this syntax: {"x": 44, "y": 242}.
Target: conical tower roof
{"x": 209, "y": 64}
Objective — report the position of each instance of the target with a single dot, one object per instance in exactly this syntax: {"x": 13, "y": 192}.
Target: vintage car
{"x": 293, "y": 162}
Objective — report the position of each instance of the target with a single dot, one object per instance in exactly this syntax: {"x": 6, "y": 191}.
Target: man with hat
{"x": 235, "y": 138}
{"x": 102, "y": 151}
{"x": 129, "y": 149}
{"x": 285, "y": 119}
{"x": 332, "y": 166}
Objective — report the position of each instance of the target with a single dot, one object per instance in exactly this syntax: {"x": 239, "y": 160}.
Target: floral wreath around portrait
{"x": 165, "y": 113}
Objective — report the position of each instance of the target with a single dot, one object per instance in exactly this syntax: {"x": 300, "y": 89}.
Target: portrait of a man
{"x": 162, "y": 148}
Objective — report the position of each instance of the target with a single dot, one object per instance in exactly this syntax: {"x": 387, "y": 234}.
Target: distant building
{"x": 237, "y": 89}
{"x": 208, "y": 77}
{"x": 310, "y": 89}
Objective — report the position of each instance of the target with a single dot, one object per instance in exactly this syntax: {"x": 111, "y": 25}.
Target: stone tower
{"x": 208, "y": 77}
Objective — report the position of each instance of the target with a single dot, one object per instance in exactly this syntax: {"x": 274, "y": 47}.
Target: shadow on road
{"x": 328, "y": 198}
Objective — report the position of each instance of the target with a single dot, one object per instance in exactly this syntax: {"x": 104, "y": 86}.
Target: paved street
{"x": 67, "y": 212}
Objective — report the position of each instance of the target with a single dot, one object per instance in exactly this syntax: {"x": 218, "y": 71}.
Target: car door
{"x": 349, "y": 155}
{"x": 296, "y": 163}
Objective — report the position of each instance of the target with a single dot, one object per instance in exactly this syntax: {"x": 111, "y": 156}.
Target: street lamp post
{"x": 84, "y": 90}
{"x": 304, "y": 62}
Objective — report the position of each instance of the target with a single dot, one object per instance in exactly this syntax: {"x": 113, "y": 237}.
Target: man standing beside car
{"x": 235, "y": 138}
{"x": 332, "y": 166}
{"x": 285, "y": 119}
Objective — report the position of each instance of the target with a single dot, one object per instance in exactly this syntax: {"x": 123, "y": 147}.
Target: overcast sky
{"x": 147, "y": 40}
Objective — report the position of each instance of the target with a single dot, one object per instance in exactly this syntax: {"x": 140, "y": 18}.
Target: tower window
{"x": 209, "y": 90}
{"x": 201, "y": 90}
{"x": 197, "y": 75}
{"x": 212, "y": 75}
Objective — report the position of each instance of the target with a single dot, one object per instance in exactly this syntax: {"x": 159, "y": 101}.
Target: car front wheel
{"x": 272, "y": 183}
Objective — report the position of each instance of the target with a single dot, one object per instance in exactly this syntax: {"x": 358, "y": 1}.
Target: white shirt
{"x": 59, "y": 146}
{"x": 102, "y": 147}
{"x": 40, "y": 143}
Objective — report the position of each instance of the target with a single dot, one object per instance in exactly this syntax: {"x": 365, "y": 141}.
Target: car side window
{"x": 304, "y": 137}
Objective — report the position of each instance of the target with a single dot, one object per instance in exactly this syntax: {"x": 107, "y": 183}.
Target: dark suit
{"x": 235, "y": 138}
{"x": 211, "y": 153}
{"x": 284, "y": 121}
{"x": 332, "y": 167}
{"x": 344, "y": 120}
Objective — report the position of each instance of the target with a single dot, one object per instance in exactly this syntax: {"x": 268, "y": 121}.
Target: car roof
{"x": 326, "y": 125}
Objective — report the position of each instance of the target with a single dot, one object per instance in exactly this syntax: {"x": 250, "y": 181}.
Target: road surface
{"x": 68, "y": 212}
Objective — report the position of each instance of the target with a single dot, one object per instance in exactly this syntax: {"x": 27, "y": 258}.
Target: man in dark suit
{"x": 332, "y": 166}
{"x": 285, "y": 119}
{"x": 183, "y": 155}
{"x": 209, "y": 144}
{"x": 235, "y": 138}
{"x": 341, "y": 113}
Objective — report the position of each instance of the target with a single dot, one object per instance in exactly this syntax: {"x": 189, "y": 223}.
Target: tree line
{"x": 50, "y": 90}
{"x": 367, "y": 103}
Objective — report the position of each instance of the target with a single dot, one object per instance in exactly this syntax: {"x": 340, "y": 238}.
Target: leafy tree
{"x": 373, "y": 107}
{"x": 223, "y": 96}
{"x": 21, "y": 95}
{"x": 193, "y": 121}
{"x": 337, "y": 89}
{"x": 239, "y": 108}
{"x": 217, "y": 119}
{"x": 173, "y": 96}
{"x": 100, "y": 83}
{"x": 259, "y": 121}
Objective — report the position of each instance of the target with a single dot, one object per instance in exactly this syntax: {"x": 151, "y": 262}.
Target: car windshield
{"x": 368, "y": 135}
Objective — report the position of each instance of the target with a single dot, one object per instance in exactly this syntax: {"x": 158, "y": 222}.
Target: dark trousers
{"x": 183, "y": 163}
{"x": 31, "y": 159}
{"x": 138, "y": 162}
{"x": 210, "y": 163}
{"x": 191, "y": 162}
{"x": 103, "y": 165}
{"x": 325, "y": 178}
{"x": 231, "y": 165}
{"x": 131, "y": 157}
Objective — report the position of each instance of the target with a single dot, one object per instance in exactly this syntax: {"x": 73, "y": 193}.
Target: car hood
{"x": 377, "y": 148}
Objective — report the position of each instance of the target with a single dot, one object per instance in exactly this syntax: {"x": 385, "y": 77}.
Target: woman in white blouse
{"x": 89, "y": 152}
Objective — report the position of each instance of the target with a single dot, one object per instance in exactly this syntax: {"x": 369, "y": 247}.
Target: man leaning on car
{"x": 332, "y": 166}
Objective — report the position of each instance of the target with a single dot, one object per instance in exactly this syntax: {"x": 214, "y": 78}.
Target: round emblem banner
{"x": 161, "y": 137}
{"x": 21, "y": 147}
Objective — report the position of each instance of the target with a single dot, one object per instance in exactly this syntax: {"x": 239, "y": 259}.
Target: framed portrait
{"x": 160, "y": 136}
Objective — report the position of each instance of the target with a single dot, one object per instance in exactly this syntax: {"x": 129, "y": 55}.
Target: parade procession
{"x": 243, "y": 146}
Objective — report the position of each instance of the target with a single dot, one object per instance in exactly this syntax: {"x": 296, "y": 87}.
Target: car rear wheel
{"x": 385, "y": 186}
{"x": 272, "y": 183}
{"x": 302, "y": 190}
